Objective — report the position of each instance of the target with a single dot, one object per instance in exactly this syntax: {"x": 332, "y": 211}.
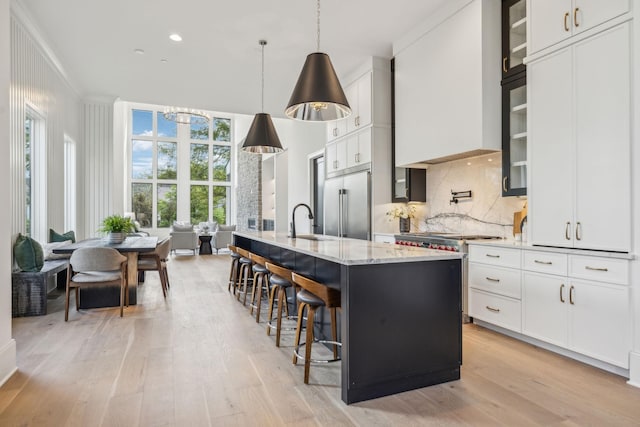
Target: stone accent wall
{"x": 249, "y": 194}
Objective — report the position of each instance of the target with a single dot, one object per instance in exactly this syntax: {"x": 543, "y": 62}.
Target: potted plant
{"x": 117, "y": 227}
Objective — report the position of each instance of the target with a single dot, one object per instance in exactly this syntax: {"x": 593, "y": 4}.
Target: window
{"x": 69, "y": 183}
{"x": 35, "y": 174}
{"x": 179, "y": 171}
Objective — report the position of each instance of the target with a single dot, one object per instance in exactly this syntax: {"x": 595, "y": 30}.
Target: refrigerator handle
{"x": 340, "y": 212}
{"x": 341, "y": 231}
{"x": 343, "y": 213}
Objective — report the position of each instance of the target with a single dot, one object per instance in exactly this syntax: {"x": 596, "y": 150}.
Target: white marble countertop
{"x": 350, "y": 251}
{"x": 528, "y": 246}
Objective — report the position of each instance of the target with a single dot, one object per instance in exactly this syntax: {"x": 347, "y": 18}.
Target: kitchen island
{"x": 401, "y": 319}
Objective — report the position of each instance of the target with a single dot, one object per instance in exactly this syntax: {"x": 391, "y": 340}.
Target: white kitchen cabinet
{"x": 494, "y": 280}
{"x": 590, "y": 318}
{"x": 552, "y": 21}
{"x": 589, "y": 314}
{"x": 359, "y": 97}
{"x": 336, "y": 129}
{"x": 336, "y": 156}
{"x": 359, "y": 148}
{"x": 579, "y": 135}
{"x": 447, "y": 88}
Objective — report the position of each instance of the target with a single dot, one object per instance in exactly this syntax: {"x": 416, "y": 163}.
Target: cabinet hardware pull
{"x": 491, "y": 279}
{"x": 567, "y": 234}
{"x": 492, "y": 256}
{"x": 335, "y": 131}
{"x": 504, "y": 184}
{"x": 335, "y": 164}
{"x": 575, "y": 16}
{"x": 504, "y": 64}
{"x": 578, "y": 231}
{"x": 571, "y": 295}
{"x": 542, "y": 262}
{"x": 562, "y": 293}
{"x": 566, "y": 27}
{"x": 495, "y": 310}
{"x": 596, "y": 268}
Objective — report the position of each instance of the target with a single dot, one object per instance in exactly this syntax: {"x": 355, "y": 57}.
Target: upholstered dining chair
{"x": 96, "y": 267}
{"x": 157, "y": 261}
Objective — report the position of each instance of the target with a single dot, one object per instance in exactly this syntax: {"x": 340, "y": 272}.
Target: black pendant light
{"x": 262, "y": 137}
{"x": 318, "y": 95}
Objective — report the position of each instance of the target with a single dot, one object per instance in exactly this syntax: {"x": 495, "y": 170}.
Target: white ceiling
{"x": 217, "y": 65}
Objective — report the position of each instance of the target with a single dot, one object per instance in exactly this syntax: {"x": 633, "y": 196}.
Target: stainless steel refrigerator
{"x": 347, "y": 206}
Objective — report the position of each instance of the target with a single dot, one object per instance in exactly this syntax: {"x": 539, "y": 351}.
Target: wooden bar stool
{"x": 312, "y": 296}
{"x": 244, "y": 276}
{"x": 280, "y": 281}
{"x": 234, "y": 273}
{"x": 260, "y": 282}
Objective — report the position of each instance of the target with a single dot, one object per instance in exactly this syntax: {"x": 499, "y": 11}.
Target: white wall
{"x": 300, "y": 139}
{"x": 38, "y": 82}
{"x": 7, "y": 344}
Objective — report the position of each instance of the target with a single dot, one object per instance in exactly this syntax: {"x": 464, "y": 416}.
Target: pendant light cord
{"x": 318, "y": 23}
{"x": 262, "y": 42}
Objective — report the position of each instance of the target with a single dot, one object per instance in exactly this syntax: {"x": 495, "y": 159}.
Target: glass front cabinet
{"x": 514, "y": 137}
{"x": 514, "y": 98}
{"x": 514, "y": 37}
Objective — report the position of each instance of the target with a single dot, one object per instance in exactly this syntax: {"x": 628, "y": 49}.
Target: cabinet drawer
{"x": 495, "y": 309}
{"x": 502, "y": 281}
{"x": 545, "y": 262}
{"x": 599, "y": 269}
{"x": 503, "y": 257}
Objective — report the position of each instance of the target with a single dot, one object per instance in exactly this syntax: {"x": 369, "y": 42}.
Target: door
{"x": 332, "y": 214}
{"x": 550, "y": 22}
{"x": 549, "y": 100}
{"x": 589, "y": 13}
{"x": 514, "y": 37}
{"x": 357, "y": 206}
{"x": 600, "y": 321}
{"x": 544, "y": 307}
{"x": 514, "y": 137}
{"x": 602, "y": 122}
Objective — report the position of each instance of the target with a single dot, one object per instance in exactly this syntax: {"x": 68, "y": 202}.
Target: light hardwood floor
{"x": 199, "y": 359}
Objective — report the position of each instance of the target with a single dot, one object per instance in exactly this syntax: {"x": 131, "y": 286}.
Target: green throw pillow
{"x": 28, "y": 254}
{"x": 55, "y": 237}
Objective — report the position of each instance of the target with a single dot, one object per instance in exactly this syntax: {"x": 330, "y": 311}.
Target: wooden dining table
{"x": 131, "y": 247}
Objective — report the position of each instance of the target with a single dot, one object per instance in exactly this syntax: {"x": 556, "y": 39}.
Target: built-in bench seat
{"x": 29, "y": 289}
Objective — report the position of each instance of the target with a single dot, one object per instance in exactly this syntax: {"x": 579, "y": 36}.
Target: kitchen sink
{"x": 318, "y": 237}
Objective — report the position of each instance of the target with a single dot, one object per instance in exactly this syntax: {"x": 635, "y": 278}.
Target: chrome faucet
{"x": 293, "y": 218}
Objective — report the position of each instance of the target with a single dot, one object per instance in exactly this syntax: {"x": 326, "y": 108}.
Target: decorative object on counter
{"x": 117, "y": 227}
{"x": 519, "y": 219}
{"x": 318, "y": 95}
{"x": 457, "y": 195}
{"x": 404, "y": 214}
{"x": 262, "y": 136}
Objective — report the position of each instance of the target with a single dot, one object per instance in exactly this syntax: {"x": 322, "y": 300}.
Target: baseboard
{"x": 634, "y": 369}
{"x": 8, "y": 361}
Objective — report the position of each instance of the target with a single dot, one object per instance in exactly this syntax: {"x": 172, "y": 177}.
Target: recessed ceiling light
{"x": 491, "y": 160}
{"x": 139, "y": 51}
{"x": 175, "y": 37}
{"x": 164, "y": 61}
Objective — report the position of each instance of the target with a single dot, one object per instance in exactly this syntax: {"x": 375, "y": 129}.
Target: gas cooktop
{"x": 445, "y": 235}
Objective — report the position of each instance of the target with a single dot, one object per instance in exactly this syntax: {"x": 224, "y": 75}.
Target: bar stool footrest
{"x": 296, "y": 351}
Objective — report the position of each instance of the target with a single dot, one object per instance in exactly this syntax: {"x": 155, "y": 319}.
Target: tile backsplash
{"x": 487, "y": 212}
